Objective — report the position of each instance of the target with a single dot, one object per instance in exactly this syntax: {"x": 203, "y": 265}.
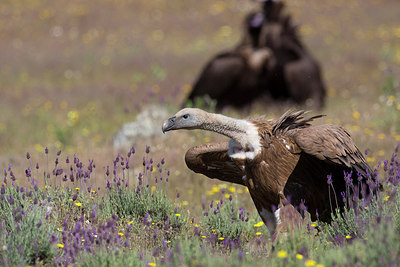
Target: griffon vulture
{"x": 297, "y": 75}
{"x": 275, "y": 160}
{"x": 234, "y": 78}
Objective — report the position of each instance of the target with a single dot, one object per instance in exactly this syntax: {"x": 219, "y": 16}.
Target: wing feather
{"x": 334, "y": 145}
{"x": 212, "y": 160}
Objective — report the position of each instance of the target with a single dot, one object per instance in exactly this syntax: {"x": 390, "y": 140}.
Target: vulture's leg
{"x": 288, "y": 218}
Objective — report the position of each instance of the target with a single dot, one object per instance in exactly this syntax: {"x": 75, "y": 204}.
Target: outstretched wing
{"x": 212, "y": 160}
{"x": 331, "y": 143}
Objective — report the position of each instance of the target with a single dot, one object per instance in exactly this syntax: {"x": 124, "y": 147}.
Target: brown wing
{"x": 212, "y": 160}
{"x": 330, "y": 143}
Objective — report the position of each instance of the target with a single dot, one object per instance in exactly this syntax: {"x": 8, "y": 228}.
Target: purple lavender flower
{"x": 240, "y": 255}
{"x": 127, "y": 243}
{"x": 329, "y": 178}
{"x": 166, "y": 225}
{"x": 155, "y": 234}
{"x": 146, "y": 221}
{"x": 28, "y": 172}
{"x": 10, "y": 199}
{"x": 28, "y": 156}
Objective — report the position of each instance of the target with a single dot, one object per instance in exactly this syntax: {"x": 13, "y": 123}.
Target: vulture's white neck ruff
{"x": 245, "y": 139}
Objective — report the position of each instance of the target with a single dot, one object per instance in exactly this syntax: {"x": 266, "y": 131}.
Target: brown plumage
{"x": 276, "y": 160}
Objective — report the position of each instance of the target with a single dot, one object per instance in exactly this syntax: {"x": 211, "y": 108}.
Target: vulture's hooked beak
{"x": 168, "y": 124}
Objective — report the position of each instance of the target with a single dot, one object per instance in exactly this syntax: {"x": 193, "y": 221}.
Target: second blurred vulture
{"x": 270, "y": 61}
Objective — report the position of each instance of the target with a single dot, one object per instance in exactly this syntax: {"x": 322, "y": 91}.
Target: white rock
{"x": 147, "y": 124}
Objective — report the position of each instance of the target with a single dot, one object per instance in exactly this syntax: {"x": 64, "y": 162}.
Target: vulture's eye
{"x": 186, "y": 116}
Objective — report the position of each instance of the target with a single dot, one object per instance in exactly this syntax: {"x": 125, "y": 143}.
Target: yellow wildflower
{"x": 215, "y": 189}
{"x": 282, "y": 254}
{"x": 177, "y": 214}
{"x": 348, "y": 236}
{"x": 258, "y": 233}
{"x": 299, "y": 256}
{"x": 120, "y": 234}
{"x": 356, "y": 115}
{"x": 231, "y": 189}
{"x": 386, "y": 198}
{"x": 151, "y": 264}
{"x": 259, "y": 224}
{"x": 60, "y": 245}
{"x": 370, "y": 159}
{"x": 203, "y": 236}
{"x": 78, "y": 204}
{"x": 310, "y": 263}
{"x": 209, "y": 192}
{"x": 221, "y": 238}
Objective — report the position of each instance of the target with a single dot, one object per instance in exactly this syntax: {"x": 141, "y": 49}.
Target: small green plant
{"x": 204, "y": 102}
{"x": 116, "y": 258}
{"x": 223, "y": 219}
{"x": 28, "y": 240}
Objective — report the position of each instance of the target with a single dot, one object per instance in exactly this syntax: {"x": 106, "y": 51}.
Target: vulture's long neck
{"x": 242, "y": 132}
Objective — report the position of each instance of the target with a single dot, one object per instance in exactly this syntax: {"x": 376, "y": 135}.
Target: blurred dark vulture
{"x": 284, "y": 163}
{"x": 270, "y": 61}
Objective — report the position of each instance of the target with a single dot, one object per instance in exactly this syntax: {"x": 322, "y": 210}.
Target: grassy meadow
{"x": 73, "y": 72}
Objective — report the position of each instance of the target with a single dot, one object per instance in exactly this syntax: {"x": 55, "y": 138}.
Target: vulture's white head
{"x": 187, "y": 118}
